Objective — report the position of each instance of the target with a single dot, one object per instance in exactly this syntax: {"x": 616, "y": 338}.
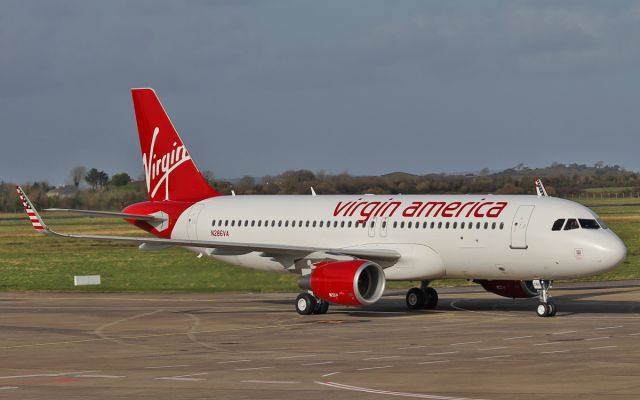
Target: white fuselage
{"x": 437, "y": 236}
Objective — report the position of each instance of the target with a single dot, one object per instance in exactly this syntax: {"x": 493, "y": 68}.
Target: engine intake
{"x": 512, "y": 289}
{"x": 351, "y": 283}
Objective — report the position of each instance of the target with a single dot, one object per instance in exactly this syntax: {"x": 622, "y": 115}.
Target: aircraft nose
{"x": 612, "y": 251}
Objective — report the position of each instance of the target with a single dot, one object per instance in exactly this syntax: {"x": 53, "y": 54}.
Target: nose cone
{"x": 611, "y": 251}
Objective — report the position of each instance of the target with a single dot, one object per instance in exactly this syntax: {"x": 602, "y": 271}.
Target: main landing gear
{"x": 424, "y": 297}
{"x": 546, "y": 308}
{"x": 307, "y": 304}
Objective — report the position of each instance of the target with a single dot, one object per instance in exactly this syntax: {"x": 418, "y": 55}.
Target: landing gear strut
{"x": 307, "y": 304}
{"x": 546, "y": 308}
{"x": 423, "y": 297}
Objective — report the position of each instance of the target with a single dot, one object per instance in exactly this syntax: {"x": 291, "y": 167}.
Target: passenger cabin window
{"x": 588, "y": 224}
{"x": 213, "y": 223}
{"x": 557, "y": 226}
{"x": 571, "y": 224}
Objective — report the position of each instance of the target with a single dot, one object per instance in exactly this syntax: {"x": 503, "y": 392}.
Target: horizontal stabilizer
{"x": 137, "y": 217}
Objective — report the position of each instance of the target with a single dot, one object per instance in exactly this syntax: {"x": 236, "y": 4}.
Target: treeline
{"x": 116, "y": 192}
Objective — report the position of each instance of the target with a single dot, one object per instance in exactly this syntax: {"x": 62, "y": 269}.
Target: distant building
{"x": 62, "y": 191}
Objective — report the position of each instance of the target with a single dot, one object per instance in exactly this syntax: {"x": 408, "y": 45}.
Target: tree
{"x": 97, "y": 179}
{"x": 120, "y": 179}
{"x": 76, "y": 174}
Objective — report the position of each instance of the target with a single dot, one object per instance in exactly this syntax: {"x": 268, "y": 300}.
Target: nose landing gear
{"x": 424, "y": 297}
{"x": 546, "y": 308}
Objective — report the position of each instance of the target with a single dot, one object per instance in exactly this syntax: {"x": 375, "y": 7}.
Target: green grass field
{"x": 31, "y": 261}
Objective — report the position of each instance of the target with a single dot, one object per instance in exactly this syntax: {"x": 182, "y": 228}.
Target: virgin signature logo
{"x": 157, "y": 168}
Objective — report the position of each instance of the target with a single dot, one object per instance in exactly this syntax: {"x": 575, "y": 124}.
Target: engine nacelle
{"x": 512, "y": 289}
{"x": 350, "y": 283}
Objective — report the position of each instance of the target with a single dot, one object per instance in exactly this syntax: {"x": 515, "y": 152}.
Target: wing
{"x": 540, "y": 188}
{"x": 217, "y": 247}
{"x": 138, "y": 217}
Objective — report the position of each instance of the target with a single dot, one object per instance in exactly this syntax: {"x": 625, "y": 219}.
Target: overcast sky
{"x": 368, "y": 87}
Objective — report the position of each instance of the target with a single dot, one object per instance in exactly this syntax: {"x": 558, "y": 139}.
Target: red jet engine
{"x": 349, "y": 283}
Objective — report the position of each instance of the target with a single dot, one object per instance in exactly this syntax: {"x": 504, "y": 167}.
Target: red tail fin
{"x": 169, "y": 170}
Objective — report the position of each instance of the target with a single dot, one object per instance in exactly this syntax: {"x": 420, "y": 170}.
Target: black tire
{"x": 552, "y": 309}
{"x": 322, "y": 307}
{"x": 430, "y": 298}
{"x": 415, "y": 299}
{"x": 305, "y": 304}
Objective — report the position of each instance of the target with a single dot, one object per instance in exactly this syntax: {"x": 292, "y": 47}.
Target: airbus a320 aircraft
{"x": 346, "y": 247}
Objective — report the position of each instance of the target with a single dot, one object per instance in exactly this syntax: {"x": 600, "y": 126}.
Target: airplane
{"x": 346, "y": 247}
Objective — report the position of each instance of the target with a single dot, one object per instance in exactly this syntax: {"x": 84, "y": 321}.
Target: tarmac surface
{"x": 475, "y": 345}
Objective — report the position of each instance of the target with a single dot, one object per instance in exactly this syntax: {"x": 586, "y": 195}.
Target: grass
{"x": 611, "y": 189}
{"x": 31, "y": 261}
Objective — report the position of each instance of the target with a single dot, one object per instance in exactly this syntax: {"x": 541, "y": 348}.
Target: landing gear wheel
{"x": 305, "y": 304}
{"x": 542, "y": 310}
{"x": 552, "y": 309}
{"x": 415, "y": 299}
{"x": 431, "y": 298}
{"x": 321, "y": 307}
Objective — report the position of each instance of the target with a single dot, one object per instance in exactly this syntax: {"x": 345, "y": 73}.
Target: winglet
{"x": 35, "y": 218}
{"x": 540, "y": 188}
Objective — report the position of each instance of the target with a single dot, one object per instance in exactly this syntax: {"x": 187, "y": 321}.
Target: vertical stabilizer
{"x": 169, "y": 170}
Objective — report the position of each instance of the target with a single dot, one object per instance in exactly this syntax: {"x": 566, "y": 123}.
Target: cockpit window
{"x": 571, "y": 224}
{"x": 557, "y": 226}
{"x": 589, "y": 224}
